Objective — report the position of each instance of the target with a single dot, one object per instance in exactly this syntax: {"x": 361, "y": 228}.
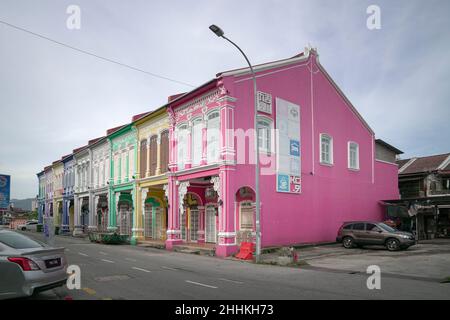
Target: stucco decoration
{"x": 182, "y": 190}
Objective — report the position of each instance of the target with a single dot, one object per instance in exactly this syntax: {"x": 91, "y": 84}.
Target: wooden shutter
{"x": 153, "y": 155}
{"x": 143, "y": 158}
{"x": 164, "y": 149}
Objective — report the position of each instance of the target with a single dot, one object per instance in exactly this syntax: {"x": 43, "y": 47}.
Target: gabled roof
{"x": 79, "y": 149}
{"x": 92, "y": 141}
{"x": 265, "y": 65}
{"x": 139, "y": 116}
{"x": 112, "y": 130}
{"x": 423, "y": 164}
{"x": 175, "y": 96}
{"x": 257, "y": 68}
{"x": 387, "y": 145}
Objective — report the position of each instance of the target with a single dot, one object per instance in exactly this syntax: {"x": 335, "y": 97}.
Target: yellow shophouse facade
{"x": 150, "y": 216}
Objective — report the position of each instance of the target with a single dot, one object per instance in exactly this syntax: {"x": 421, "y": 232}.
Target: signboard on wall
{"x": 264, "y": 102}
{"x": 5, "y": 191}
{"x": 288, "y": 147}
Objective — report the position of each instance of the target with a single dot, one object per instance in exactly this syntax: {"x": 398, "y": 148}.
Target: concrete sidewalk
{"x": 428, "y": 260}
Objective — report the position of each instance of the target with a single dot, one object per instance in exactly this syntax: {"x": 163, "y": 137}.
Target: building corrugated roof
{"x": 425, "y": 164}
{"x": 402, "y": 162}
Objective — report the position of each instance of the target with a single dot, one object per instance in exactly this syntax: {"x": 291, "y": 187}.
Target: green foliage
{"x": 108, "y": 238}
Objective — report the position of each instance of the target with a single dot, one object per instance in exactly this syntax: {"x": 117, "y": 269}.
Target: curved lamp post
{"x": 219, "y": 32}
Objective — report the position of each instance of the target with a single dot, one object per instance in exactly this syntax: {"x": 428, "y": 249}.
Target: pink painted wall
{"x": 330, "y": 194}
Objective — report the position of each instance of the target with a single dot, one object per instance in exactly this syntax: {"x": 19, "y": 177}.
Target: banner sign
{"x": 264, "y": 102}
{"x": 5, "y": 191}
{"x": 288, "y": 147}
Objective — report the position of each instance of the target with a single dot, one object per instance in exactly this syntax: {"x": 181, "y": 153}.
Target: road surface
{"x": 127, "y": 272}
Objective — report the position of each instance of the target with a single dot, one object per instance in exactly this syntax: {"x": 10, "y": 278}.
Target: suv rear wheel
{"x": 348, "y": 242}
{"x": 392, "y": 244}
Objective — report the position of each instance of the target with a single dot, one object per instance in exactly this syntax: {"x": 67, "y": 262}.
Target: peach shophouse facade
{"x": 318, "y": 163}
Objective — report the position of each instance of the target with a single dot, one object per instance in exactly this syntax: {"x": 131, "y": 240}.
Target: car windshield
{"x": 386, "y": 227}
{"x": 18, "y": 241}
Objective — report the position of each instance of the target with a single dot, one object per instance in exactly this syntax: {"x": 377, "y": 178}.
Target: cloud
{"x": 53, "y": 99}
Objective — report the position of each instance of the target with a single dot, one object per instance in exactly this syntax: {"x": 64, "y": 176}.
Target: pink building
{"x": 320, "y": 162}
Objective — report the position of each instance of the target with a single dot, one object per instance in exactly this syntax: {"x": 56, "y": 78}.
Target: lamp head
{"x": 219, "y": 32}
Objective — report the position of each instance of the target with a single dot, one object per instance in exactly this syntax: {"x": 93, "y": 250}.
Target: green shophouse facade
{"x": 122, "y": 182}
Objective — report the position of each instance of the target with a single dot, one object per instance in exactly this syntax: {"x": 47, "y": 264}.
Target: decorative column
{"x": 117, "y": 221}
{"x": 112, "y": 208}
{"x": 65, "y": 222}
{"x": 78, "y": 229}
{"x": 141, "y": 217}
{"x": 138, "y": 231}
{"x": 93, "y": 224}
{"x": 226, "y": 233}
{"x": 172, "y": 144}
{"x": 158, "y": 154}
{"x": 173, "y": 228}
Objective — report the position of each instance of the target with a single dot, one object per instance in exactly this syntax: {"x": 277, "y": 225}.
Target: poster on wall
{"x": 5, "y": 190}
{"x": 288, "y": 171}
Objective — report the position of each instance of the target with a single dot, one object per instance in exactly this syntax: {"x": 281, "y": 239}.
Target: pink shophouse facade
{"x": 320, "y": 162}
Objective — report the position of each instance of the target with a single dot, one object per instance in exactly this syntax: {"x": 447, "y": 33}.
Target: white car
{"x": 28, "y": 266}
{"x": 29, "y": 225}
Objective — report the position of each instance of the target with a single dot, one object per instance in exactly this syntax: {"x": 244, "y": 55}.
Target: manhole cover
{"x": 112, "y": 278}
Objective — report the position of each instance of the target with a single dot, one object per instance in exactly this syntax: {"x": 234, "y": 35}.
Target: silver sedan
{"x": 28, "y": 266}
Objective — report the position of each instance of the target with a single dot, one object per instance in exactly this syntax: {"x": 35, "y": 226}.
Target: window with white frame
{"x": 353, "y": 155}
{"x": 326, "y": 149}
{"x": 213, "y": 136}
{"x": 182, "y": 135}
{"x": 264, "y": 135}
{"x": 196, "y": 141}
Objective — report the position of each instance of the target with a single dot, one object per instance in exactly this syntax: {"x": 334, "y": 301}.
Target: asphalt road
{"x": 126, "y": 272}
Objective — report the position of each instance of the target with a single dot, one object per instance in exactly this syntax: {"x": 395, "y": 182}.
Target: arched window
{"x": 264, "y": 135}
{"x": 326, "y": 149}
{"x": 182, "y": 146}
{"x": 196, "y": 141}
{"x": 213, "y": 136}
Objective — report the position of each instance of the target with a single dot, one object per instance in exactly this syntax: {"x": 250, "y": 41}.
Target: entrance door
{"x": 125, "y": 219}
{"x": 210, "y": 224}
{"x": 193, "y": 224}
{"x": 158, "y": 223}
{"x": 71, "y": 218}
{"x": 183, "y": 223}
{"x": 246, "y": 222}
{"x": 148, "y": 221}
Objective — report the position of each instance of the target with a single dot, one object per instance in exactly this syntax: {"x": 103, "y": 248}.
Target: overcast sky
{"x": 53, "y": 99}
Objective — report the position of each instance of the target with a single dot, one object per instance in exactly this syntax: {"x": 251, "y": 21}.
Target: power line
{"x": 95, "y": 55}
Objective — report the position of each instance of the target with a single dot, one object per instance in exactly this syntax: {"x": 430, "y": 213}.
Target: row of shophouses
{"x": 185, "y": 172}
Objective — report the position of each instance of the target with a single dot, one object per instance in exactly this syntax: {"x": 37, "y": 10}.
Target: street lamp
{"x": 219, "y": 32}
